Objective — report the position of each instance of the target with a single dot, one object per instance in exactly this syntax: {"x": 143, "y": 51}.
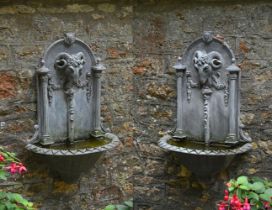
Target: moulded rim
{"x": 74, "y": 152}
{"x": 163, "y": 143}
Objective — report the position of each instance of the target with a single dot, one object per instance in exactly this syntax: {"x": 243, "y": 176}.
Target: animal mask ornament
{"x": 72, "y": 65}
{"x": 207, "y": 66}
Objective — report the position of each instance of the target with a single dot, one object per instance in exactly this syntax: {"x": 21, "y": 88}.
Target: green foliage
{"x": 9, "y": 200}
{"x": 257, "y": 190}
{"x": 14, "y": 201}
{"x": 3, "y": 174}
{"x": 126, "y": 205}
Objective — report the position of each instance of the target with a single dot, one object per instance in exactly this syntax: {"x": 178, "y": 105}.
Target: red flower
{"x": 16, "y": 168}
{"x": 226, "y": 197}
{"x": 222, "y": 206}
{"x": 246, "y": 205}
{"x": 21, "y": 168}
{"x": 12, "y": 168}
{"x": 235, "y": 203}
{"x": 2, "y": 158}
{"x": 266, "y": 205}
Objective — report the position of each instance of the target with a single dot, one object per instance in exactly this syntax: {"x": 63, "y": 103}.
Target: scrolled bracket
{"x": 244, "y": 137}
{"x": 35, "y": 137}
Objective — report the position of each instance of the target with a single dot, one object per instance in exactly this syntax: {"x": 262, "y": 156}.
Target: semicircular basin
{"x": 68, "y": 163}
{"x": 201, "y": 160}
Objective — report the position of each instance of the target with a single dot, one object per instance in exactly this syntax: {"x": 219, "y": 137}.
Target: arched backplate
{"x": 208, "y": 92}
{"x": 65, "y": 91}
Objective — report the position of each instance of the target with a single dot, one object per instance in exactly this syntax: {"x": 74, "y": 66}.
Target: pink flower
{"x": 235, "y": 203}
{"x": 2, "y": 158}
{"x": 16, "y": 168}
{"x": 246, "y": 205}
{"x": 21, "y": 168}
{"x": 12, "y": 168}
{"x": 228, "y": 184}
{"x": 222, "y": 206}
{"x": 266, "y": 205}
{"x": 226, "y": 197}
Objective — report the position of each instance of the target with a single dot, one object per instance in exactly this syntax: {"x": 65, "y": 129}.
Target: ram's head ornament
{"x": 207, "y": 66}
{"x": 71, "y": 65}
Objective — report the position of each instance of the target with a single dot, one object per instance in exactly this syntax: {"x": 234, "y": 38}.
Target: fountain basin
{"x": 201, "y": 160}
{"x": 69, "y": 162}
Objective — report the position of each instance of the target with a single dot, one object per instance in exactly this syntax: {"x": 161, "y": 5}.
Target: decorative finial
{"x": 69, "y": 38}
{"x": 98, "y": 60}
{"x": 41, "y": 63}
{"x": 42, "y": 69}
{"x": 179, "y": 59}
{"x": 99, "y": 67}
{"x": 179, "y": 66}
{"x": 207, "y": 36}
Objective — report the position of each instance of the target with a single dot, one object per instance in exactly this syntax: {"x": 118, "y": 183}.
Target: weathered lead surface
{"x": 208, "y": 102}
{"x": 138, "y": 41}
{"x": 208, "y": 93}
{"x": 67, "y": 92}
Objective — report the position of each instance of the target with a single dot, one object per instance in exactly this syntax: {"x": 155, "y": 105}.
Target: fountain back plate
{"x": 208, "y": 107}
{"x": 69, "y": 89}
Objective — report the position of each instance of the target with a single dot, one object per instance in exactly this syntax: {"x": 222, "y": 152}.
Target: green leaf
{"x": 258, "y": 187}
{"x": 122, "y": 207}
{"x": 257, "y": 179}
{"x": 242, "y": 180}
{"x": 3, "y": 175}
{"x": 253, "y": 195}
{"x": 10, "y": 206}
{"x": 29, "y": 204}
{"x": 129, "y": 203}
{"x": 244, "y": 187}
{"x": 110, "y": 207}
{"x": 259, "y": 205}
{"x": 2, "y": 206}
{"x": 265, "y": 197}
{"x": 254, "y": 208}
{"x": 239, "y": 193}
{"x": 2, "y": 195}
{"x": 17, "y": 198}
{"x": 230, "y": 189}
{"x": 268, "y": 191}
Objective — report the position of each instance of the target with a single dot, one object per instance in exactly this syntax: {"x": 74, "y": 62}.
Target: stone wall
{"x": 138, "y": 41}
